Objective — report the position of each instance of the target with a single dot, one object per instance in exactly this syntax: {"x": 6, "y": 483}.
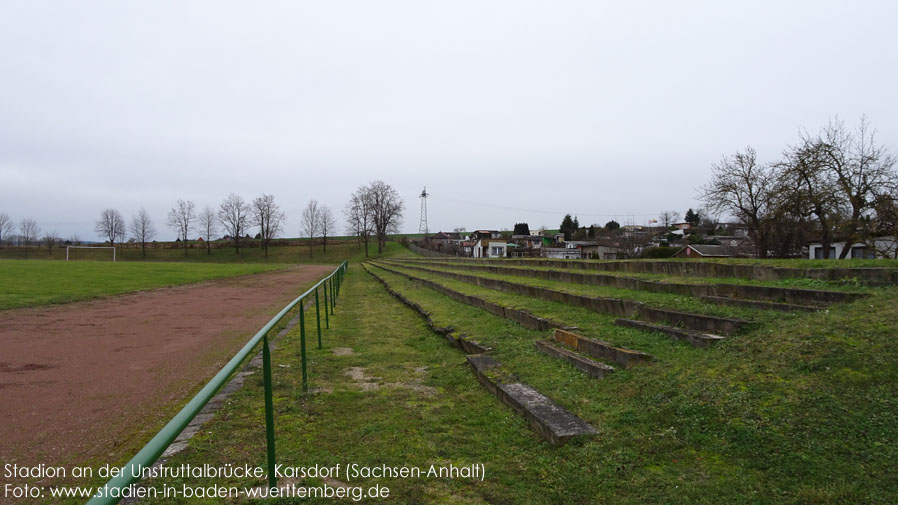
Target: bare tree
{"x": 358, "y": 213}
{"x": 142, "y": 229}
{"x": 808, "y": 187}
{"x": 181, "y": 218}
{"x": 311, "y": 222}
{"x": 328, "y": 223}
{"x": 861, "y": 172}
{"x": 111, "y": 226}
{"x": 6, "y": 227}
{"x": 233, "y": 213}
{"x": 881, "y": 233}
{"x": 668, "y": 218}
{"x": 267, "y": 215}
{"x": 387, "y": 211}
{"x": 75, "y": 239}
{"x": 28, "y": 232}
{"x": 51, "y": 240}
{"x": 208, "y": 223}
{"x": 741, "y": 187}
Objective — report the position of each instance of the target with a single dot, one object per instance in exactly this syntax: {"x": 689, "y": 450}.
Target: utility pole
{"x": 422, "y": 228}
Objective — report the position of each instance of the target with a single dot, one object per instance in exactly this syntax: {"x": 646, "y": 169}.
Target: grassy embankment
{"x": 803, "y": 408}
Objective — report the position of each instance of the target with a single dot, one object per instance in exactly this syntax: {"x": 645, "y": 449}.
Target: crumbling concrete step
{"x": 602, "y": 350}
{"x": 592, "y": 368}
{"x": 757, "y": 304}
{"x": 697, "y": 339}
{"x": 553, "y": 422}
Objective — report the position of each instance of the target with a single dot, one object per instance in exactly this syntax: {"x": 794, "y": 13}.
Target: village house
{"x": 443, "y": 240}
{"x": 488, "y": 244}
{"x": 884, "y": 247}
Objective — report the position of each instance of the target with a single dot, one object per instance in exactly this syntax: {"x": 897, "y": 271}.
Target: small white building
{"x": 498, "y": 250}
{"x": 885, "y": 247}
{"x": 560, "y": 253}
{"x": 490, "y": 248}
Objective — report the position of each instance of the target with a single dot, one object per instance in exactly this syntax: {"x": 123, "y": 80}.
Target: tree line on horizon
{"x": 375, "y": 209}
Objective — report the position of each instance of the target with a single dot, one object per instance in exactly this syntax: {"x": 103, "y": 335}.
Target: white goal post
{"x": 88, "y": 247}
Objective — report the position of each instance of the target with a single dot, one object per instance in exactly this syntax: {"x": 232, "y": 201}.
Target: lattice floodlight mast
{"x": 88, "y": 247}
{"x": 422, "y": 228}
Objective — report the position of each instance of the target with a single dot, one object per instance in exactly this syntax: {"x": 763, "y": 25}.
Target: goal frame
{"x": 88, "y": 247}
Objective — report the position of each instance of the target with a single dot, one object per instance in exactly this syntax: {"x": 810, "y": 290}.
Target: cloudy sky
{"x": 506, "y": 110}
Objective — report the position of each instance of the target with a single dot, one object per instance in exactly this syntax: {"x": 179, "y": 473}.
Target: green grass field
{"x": 800, "y": 409}
{"x": 46, "y": 278}
{"x": 337, "y": 251}
{"x": 40, "y": 282}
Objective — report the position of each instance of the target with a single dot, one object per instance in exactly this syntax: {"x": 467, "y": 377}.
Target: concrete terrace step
{"x": 591, "y": 367}
{"x": 520, "y": 316}
{"x": 757, "y": 304}
{"x": 695, "y": 338}
{"x": 873, "y": 276}
{"x": 553, "y": 422}
{"x": 604, "y": 305}
{"x": 602, "y": 350}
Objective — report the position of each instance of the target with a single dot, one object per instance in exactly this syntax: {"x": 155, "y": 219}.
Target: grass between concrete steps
{"x": 660, "y": 300}
{"x": 801, "y": 413}
{"x": 794, "y": 412}
{"x": 845, "y": 285}
{"x": 402, "y": 397}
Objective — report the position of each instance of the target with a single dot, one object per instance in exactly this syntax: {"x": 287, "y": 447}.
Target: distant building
{"x": 563, "y": 253}
{"x": 444, "y": 240}
{"x": 885, "y": 247}
{"x": 532, "y": 241}
{"x": 714, "y": 251}
{"x": 490, "y": 248}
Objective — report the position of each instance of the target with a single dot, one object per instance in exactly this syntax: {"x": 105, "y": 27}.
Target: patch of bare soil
{"x": 94, "y": 380}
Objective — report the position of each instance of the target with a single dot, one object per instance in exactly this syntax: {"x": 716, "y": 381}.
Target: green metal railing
{"x": 157, "y": 445}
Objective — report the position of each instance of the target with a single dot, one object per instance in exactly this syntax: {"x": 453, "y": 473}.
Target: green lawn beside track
{"x": 337, "y": 252}
{"x": 41, "y": 282}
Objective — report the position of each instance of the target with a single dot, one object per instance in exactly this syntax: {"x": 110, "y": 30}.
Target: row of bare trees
{"x": 373, "y": 209}
{"x": 836, "y": 185}
{"x": 27, "y": 233}
{"x": 317, "y": 221}
{"x": 234, "y": 215}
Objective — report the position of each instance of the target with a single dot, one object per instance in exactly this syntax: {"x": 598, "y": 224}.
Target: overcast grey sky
{"x": 506, "y": 110}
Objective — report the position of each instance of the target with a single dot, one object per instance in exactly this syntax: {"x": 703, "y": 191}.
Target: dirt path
{"x": 91, "y": 381}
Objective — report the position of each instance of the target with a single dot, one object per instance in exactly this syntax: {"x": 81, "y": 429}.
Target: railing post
{"x": 318, "y": 317}
{"x": 302, "y": 345}
{"x": 327, "y": 317}
{"x": 269, "y": 412}
{"x": 333, "y": 295}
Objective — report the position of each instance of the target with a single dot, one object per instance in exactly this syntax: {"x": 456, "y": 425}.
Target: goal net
{"x": 84, "y": 252}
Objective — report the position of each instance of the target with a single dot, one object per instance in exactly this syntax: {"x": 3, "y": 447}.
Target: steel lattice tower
{"x": 422, "y": 228}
